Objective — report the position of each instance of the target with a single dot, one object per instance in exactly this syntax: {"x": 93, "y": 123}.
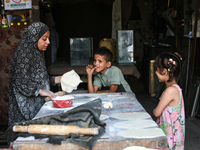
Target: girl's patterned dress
{"x": 172, "y": 122}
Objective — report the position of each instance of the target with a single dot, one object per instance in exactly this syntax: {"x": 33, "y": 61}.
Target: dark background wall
{"x": 89, "y": 19}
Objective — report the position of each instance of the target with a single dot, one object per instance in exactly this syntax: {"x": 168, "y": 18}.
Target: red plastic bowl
{"x": 62, "y": 101}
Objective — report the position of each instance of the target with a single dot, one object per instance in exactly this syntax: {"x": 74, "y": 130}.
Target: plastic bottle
{"x": 4, "y": 23}
{"x": 111, "y": 45}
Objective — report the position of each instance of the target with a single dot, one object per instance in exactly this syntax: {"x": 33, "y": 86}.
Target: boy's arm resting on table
{"x": 165, "y": 99}
{"x": 113, "y": 88}
{"x": 94, "y": 89}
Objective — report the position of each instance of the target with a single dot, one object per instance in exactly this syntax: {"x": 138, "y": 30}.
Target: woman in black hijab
{"x": 29, "y": 81}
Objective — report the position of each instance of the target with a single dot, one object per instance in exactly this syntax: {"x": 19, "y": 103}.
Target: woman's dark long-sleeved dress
{"x": 28, "y": 74}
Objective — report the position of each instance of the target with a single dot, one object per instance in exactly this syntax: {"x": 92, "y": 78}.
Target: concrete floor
{"x": 192, "y": 134}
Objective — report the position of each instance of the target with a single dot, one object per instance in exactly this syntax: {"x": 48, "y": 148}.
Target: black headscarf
{"x": 28, "y": 74}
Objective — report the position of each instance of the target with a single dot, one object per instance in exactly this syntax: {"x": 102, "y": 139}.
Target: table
{"x": 122, "y": 103}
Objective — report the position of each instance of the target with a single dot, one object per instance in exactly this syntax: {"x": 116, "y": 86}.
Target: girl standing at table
{"x": 29, "y": 82}
{"x": 170, "y": 109}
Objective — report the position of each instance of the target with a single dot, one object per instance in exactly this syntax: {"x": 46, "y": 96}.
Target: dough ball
{"x": 108, "y": 105}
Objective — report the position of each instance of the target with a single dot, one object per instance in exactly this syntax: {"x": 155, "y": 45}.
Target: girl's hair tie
{"x": 171, "y": 61}
{"x": 168, "y": 69}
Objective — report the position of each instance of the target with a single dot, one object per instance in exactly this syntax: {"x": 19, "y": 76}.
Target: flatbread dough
{"x": 103, "y": 117}
{"x": 131, "y": 116}
{"x": 142, "y": 133}
{"x": 69, "y": 81}
{"x": 135, "y": 124}
{"x": 137, "y": 148}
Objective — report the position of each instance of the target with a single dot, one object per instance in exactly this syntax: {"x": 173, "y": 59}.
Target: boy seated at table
{"x": 108, "y": 78}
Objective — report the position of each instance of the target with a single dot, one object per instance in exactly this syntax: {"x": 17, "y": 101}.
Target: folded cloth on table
{"x": 85, "y": 116}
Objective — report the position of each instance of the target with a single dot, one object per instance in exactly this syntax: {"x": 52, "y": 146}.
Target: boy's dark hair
{"x": 103, "y": 51}
{"x": 170, "y": 61}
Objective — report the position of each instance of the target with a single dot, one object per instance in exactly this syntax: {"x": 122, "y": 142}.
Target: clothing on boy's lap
{"x": 113, "y": 75}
